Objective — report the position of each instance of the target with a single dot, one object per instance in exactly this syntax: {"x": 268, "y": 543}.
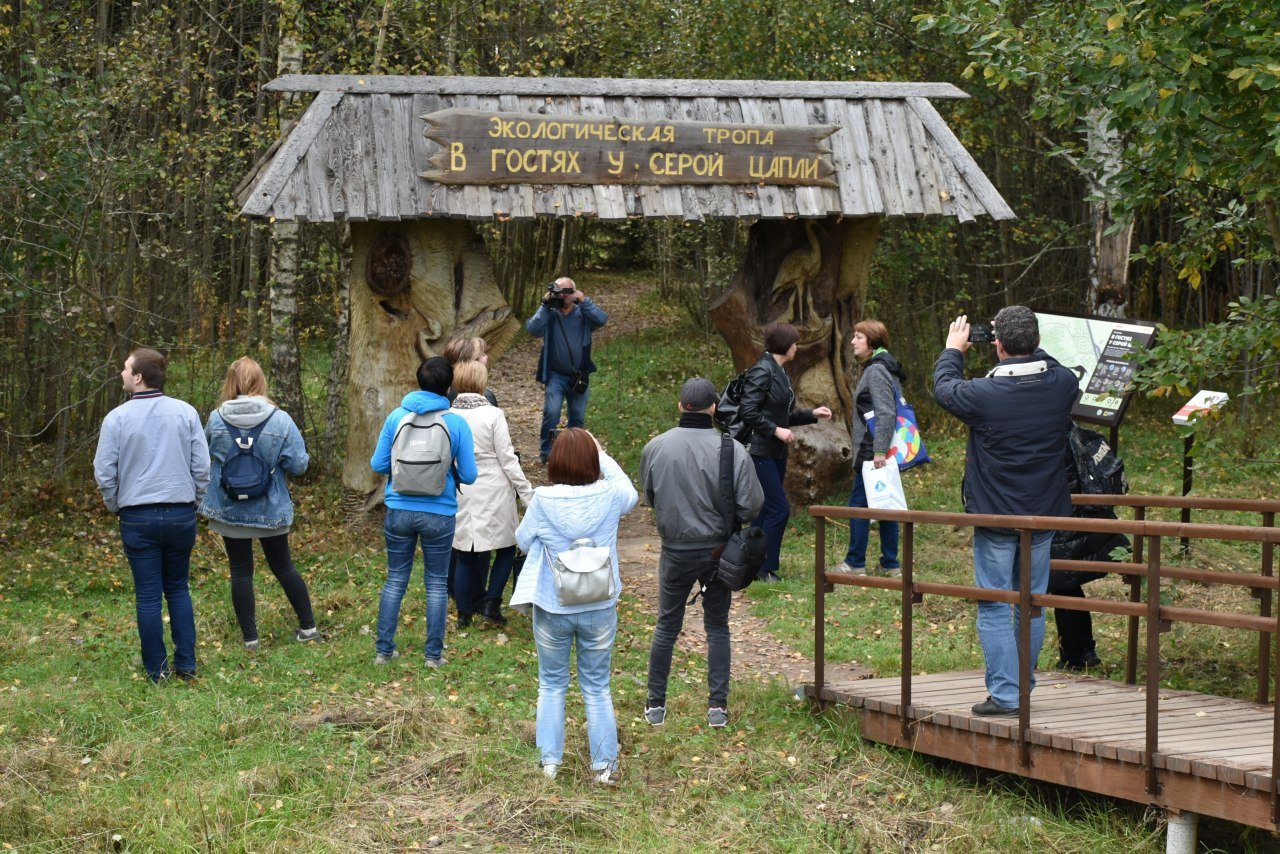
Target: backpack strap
{"x": 246, "y": 439}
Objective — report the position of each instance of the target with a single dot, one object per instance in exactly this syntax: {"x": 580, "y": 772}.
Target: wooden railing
{"x": 1147, "y": 536}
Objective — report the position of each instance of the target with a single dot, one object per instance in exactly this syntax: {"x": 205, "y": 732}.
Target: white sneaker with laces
{"x": 550, "y": 770}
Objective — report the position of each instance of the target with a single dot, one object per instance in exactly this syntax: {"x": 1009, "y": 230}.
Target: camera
{"x": 555, "y": 297}
{"x": 981, "y": 333}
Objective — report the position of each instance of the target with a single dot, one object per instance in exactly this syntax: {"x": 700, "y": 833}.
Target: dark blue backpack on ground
{"x": 245, "y": 474}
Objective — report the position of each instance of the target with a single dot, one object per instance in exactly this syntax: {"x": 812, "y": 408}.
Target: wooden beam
{"x": 607, "y": 87}
{"x": 290, "y": 154}
{"x": 964, "y": 163}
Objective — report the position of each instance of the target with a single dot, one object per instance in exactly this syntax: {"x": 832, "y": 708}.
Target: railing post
{"x": 908, "y": 616}
{"x": 1153, "y": 666}
{"x": 1135, "y": 595}
{"x": 1024, "y": 647}
{"x": 819, "y": 607}
{"x": 1264, "y": 608}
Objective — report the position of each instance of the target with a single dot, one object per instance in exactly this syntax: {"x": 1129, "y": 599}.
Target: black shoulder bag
{"x": 744, "y": 551}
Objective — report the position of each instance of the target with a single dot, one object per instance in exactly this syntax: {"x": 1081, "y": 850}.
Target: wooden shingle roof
{"x": 357, "y": 151}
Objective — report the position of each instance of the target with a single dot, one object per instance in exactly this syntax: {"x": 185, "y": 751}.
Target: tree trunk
{"x": 286, "y": 364}
{"x": 1109, "y": 249}
{"x": 339, "y": 366}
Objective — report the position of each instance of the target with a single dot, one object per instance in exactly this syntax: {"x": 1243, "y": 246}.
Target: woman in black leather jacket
{"x": 768, "y": 408}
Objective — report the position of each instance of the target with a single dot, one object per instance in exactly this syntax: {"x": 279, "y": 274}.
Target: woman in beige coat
{"x": 486, "y": 521}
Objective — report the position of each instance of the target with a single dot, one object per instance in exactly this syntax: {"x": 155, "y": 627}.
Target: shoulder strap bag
{"x": 583, "y": 573}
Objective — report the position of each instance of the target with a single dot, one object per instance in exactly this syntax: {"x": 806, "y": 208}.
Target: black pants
{"x": 276, "y": 550}
{"x": 1075, "y": 628}
{"x": 678, "y": 574}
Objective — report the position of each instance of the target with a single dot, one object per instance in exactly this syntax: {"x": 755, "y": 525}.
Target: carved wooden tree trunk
{"x": 413, "y": 286}
{"x": 812, "y": 274}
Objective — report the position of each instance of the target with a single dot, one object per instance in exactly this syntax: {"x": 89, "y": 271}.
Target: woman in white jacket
{"x": 588, "y": 495}
{"x": 486, "y": 521}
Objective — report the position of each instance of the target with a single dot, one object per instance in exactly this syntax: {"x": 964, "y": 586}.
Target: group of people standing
{"x": 155, "y": 464}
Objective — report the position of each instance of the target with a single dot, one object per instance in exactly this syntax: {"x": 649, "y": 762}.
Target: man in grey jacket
{"x": 152, "y": 468}
{"x": 680, "y": 479}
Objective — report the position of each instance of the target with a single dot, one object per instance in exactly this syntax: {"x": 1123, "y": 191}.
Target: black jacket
{"x": 1019, "y": 418}
{"x": 768, "y": 403}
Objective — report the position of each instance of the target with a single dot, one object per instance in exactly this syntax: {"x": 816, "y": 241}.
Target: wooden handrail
{"x": 1147, "y": 536}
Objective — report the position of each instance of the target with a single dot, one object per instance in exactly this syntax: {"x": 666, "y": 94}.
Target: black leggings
{"x": 276, "y": 550}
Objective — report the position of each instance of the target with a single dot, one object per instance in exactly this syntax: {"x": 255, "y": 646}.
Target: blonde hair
{"x": 465, "y": 348}
{"x": 470, "y": 377}
{"x": 244, "y": 377}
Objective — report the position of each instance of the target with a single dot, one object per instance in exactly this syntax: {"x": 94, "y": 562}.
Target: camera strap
{"x": 567, "y": 346}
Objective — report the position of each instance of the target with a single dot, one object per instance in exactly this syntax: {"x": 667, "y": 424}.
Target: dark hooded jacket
{"x": 768, "y": 403}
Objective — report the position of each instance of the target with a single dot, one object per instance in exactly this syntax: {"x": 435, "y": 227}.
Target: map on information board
{"x": 1096, "y": 348}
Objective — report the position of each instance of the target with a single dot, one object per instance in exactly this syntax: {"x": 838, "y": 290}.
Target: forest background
{"x": 1150, "y": 128}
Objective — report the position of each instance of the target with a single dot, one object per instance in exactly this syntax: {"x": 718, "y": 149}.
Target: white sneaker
{"x": 252, "y": 645}
{"x": 306, "y": 635}
{"x": 607, "y": 777}
{"x": 550, "y": 770}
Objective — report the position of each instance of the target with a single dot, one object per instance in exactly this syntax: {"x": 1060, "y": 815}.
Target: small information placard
{"x": 1204, "y": 401}
{"x": 1097, "y": 349}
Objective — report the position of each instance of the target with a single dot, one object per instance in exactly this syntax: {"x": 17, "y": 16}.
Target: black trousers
{"x": 678, "y": 574}
{"x": 280, "y": 562}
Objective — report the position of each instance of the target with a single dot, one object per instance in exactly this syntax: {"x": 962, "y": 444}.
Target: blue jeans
{"x": 996, "y": 561}
{"x": 474, "y": 581}
{"x": 557, "y": 390}
{"x": 555, "y": 634}
{"x": 860, "y": 530}
{"x": 158, "y": 539}
{"x": 771, "y": 472}
{"x": 403, "y": 530}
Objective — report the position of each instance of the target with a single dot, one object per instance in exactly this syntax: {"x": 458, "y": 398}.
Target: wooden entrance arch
{"x": 814, "y": 166}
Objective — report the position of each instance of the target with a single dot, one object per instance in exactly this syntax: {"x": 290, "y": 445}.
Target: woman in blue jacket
{"x": 266, "y": 518}
{"x": 588, "y": 495}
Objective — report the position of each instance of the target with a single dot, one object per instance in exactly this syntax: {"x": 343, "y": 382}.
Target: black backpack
{"x": 245, "y": 474}
{"x": 729, "y": 410}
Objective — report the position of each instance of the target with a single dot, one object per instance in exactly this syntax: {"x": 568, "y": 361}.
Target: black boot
{"x": 464, "y": 620}
{"x": 492, "y": 612}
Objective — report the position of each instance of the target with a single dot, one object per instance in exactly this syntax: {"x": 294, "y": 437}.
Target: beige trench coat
{"x": 487, "y": 515}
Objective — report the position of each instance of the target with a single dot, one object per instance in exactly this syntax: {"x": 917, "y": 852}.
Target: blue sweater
{"x": 464, "y": 455}
{"x": 566, "y": 339}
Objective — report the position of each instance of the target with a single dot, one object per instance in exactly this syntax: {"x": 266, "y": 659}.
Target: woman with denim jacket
{"x": 589, "y": 493}
{"x": 267, "y": 518}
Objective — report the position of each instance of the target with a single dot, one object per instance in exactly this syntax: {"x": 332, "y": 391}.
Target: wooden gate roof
{"x": 357, "y": 151}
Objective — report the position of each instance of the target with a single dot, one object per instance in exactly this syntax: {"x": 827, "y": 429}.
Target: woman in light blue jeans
{"x": 588, "y": 495}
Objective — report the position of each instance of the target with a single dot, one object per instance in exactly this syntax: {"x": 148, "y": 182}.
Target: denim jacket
{"x": 280, "y": 444}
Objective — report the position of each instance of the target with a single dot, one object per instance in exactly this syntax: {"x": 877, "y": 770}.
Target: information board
{"x": 1096, "y": 348}
{"x": 479, "y": 147}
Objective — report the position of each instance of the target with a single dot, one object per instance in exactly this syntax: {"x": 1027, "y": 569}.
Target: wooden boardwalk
{"x": 1214, "y": 755}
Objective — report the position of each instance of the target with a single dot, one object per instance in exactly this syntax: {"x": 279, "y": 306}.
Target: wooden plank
{"x": 853, "y": 201}
{"x": 772, "y": 111}
{"x": 609, "y": 200}
{"x": 383, "y": 119}
{"x": 606, "y": 87}
{"x": 981, "y": 186}
{"x": 767, "y": 195}
{"x": 746, "y": 196}
{"x": 519, "y": 196}
{"x": 573, "y": 200}
{"x": 924, "y": 156}
{"x": 655, "y": 201}
{"x": 315, "y": 166}
{"x": 346, "y": 196}
{"x": 455, "y": 199}
{"x": 900, "y": 139}
{"x": 696, "y": 201}
{"x": 478, "y": 197}
{"x": 883, "y": 158}
{"x": 290, "y": 154}
{"x": 809, "y": 200}
{"x": 406, "y": 177}
{"x": 433, "y": 199}
{"x": 724, "y": 199}
{"x": 868, "y": 180}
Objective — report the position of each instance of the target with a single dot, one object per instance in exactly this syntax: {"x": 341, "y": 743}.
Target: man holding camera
{"x": 1019, "y": 418}
{"x": 565, "y": 321}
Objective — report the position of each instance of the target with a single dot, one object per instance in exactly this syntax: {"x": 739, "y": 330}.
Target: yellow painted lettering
{"x": 768, "y": 139}
{"x": 616, "y": 161}
{"x": 495, "y": 126}
{"x": 457, "y": 159}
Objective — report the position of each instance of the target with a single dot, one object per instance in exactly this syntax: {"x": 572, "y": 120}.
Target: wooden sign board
{"x": 1097, "y": 349}
{"x": 480, "y": 147}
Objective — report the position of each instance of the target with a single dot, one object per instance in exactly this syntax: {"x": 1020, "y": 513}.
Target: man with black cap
{"x": 680, "y": 479}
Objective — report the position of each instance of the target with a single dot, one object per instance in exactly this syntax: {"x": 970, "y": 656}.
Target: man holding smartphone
{"x": 1019, "y": 418}
{"x": 565, "y": 322}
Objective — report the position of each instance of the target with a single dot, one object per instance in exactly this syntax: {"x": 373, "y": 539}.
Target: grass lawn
{"x": 311, "y": 748}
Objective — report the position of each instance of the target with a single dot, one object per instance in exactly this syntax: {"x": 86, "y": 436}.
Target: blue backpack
{"x": 245, "y": 474}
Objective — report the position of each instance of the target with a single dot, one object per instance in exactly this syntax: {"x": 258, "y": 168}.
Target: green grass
{"x": 311, "y": 748}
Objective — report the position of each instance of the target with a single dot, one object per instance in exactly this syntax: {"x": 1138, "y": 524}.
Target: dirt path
{"x": 756, "y": 652}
